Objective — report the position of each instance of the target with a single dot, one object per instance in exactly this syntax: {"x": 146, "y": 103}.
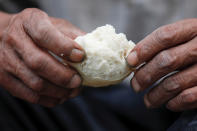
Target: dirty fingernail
{"x": 77, "y": 55}
{"x": 132, "y": 59}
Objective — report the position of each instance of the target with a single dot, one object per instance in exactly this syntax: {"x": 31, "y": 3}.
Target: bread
{"x": 105, "y": 62}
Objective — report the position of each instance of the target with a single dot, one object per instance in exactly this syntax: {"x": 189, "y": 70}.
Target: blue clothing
{"x": 115, "y": 108}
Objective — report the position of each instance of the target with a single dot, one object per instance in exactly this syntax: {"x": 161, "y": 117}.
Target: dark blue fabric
{"x": 186, "y": 122}
{"x": 101, "y": 109}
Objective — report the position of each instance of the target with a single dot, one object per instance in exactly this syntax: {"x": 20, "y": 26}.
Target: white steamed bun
{"x": 105, "y": 62}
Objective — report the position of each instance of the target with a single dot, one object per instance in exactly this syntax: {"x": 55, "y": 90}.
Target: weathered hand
{"x": 170, "y": 48}
{"x": 27, "y": 70}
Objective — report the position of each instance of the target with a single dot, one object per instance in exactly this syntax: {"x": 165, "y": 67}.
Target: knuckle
{"x": 165, "y": 60}
{"x": 147, "y": 78}
{"x": 37, "y": 19}
{"x": 167, "y": 89}
{"x": 33, "y": 11}
{"x": 8, "y": 38}
{"x": 37, "y": 85}
{"x": 170, "y": 89}
{"x": 165, "y": 34}
{"x": 38, "y": 62}
{"x": 43, "y": 34}
{"x": 175, "y": 83}
{"x": 171, "y": 85}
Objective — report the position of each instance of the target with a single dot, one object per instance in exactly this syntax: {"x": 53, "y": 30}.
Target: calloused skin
{"x": 27, "y": 70}
{"x": 170, "y": 48}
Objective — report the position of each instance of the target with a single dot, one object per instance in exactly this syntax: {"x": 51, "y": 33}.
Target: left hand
{"x": 27, "y": 70}
{"x": 71, "y": 31}
{"x": 170, "y": 48}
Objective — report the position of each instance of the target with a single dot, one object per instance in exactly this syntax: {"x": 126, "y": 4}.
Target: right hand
{"x": 27, "y": 70}
{"x": 170, "y": 57}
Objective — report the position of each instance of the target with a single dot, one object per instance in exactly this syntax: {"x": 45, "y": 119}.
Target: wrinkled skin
{"x": 170, "y": 48}
{"x": 27, "y": 70}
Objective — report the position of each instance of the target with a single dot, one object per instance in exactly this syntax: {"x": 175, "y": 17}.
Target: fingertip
{"x": 132, "y": 59}
{"x": 147, "y": 102}
{"x": 77, "y": 55}
{"x": 170, "y": 106}
{"x": 135, "y": 85}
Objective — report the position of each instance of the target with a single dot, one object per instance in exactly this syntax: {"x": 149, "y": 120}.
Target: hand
{"x": 170, "y": 48}
{"x": 27, "y": 70}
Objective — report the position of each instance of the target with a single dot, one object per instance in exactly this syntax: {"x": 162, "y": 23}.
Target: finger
{"x": 67, "y": 28}
{"x": 171, "y": 86}
{"x": 18, "y": 89}
{"x": 53, "y": 71}
{"x": 17, "y": 68}
{"x": 164, "y": 63}
{"x": 184, "y": 101}
{"x": 44, "y": 64}
{"x": 48, "y": 101}
{"x": 74, "y": 92}
{"x": 163, "y": 38}
{"x": 53, "y": 91}
{"x": 47, "y": 36}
